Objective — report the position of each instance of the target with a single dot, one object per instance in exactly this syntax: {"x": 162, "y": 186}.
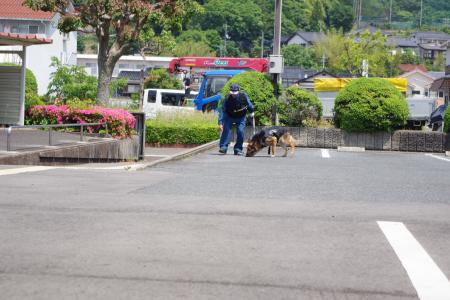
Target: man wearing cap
{"x": 234, "y": 109}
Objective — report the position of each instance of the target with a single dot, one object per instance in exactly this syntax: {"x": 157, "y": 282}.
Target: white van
{"x": 156, "y": 100}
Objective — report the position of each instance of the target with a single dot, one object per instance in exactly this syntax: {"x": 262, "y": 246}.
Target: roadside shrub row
{"x": 447, "y": 120}
{"x": 189, "y": 128}
{"x": 120, "y": 122}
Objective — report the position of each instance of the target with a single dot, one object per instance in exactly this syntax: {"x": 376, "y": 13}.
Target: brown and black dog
{"x": 270, "y": 137}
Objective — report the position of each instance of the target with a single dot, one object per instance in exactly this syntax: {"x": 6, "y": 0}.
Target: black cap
{"x": 235, "y": 87}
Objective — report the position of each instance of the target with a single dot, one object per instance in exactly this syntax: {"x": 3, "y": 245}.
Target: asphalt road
{"x": 227, "y": 227}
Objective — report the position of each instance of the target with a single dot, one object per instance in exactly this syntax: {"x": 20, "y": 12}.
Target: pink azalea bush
{"x": 120, "y": 122}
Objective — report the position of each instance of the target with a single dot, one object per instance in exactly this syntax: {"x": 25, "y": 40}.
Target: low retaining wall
{"x": 108, "y": 150}
{"x": 401, "y": 140}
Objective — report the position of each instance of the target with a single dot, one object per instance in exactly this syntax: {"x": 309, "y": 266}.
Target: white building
{"x": 15, "y": 18}
{"x": 419, "y": 84}
{"x": 128, "y": 66}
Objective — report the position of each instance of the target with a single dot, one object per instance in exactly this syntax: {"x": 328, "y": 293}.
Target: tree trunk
{"x": 107, "y": 59}
{"x": 104, "y": 79}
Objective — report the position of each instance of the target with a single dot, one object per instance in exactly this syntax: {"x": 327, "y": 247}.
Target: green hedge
{"x": 369, "y": 105}
{"x": 190, "y": 128}
{"x": 447, "y": 120}
{"x": 175, "y": 134}
{"x": 299, "y": 107}
{"x": 259, "y": 89}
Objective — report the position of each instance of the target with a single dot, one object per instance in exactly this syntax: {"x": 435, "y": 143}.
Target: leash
{"x": 253, "y": 122}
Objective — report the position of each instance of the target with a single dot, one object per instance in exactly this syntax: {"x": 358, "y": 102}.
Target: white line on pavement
{"x": 24, "y": 170}
{"x": 156, "y": 155}
{"x": 426, "y": 277}
{"x": 438, "y": 157}
{"x": 325, "y": 153}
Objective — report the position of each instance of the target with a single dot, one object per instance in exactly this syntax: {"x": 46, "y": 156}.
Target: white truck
{"x": 165, "y": 100}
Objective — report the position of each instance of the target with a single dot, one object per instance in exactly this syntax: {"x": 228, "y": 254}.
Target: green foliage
{"x": 244, "y": 20}
{"x": 260, "y": 91}
{"x": 117, "y": 85}
{"x": 345, "y": 55}
{"x": 369, "y": 105}
{"x": 32, "y": 99}
{"x": 75, "y": 103}
{"x": 298, "y": 107}
{"x": 182, "y": 128}
{"x": 447, "y": 120}
{"x": 161, "y": 79}
{"x": 191, "y": 48}
{"x": 409, "y": 57}
{"x": 70, "y": 82}
{"x": 30, "y": 82}
{"x": 295, "y": 55}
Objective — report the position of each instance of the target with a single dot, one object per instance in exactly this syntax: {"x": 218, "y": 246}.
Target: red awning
{"x": 15, "y": 39}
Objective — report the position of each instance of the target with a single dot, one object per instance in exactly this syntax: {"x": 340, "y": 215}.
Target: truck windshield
{"x": 214, "y": 85}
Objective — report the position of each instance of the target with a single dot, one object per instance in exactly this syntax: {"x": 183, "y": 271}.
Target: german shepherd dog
{"x": 270, "y": 137}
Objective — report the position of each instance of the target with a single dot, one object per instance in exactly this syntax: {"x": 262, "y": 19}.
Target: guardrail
{"x": 50, "y": 131}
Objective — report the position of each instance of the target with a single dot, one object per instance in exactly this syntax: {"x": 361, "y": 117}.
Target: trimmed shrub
{"x": 259, "y": 89}
{"x": 299, "y": 108}
{"x": 182, "y": 128}
{"x": 447, "y": 120}
{"x": 369, "y": 105}
{"x": 120, "y": 122}
{"x": 32, "y": 99}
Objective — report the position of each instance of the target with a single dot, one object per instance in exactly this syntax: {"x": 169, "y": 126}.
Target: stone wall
{"x": 401, "y": 140}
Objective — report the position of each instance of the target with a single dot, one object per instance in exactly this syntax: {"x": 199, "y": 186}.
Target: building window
{"x": 441, "y": 94}
{"x": 124, "y": 66}
{"x": 416, "y": 92}
{"x": 33, "y": 29}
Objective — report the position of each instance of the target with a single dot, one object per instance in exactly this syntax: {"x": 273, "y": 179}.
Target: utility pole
{"x": 276, "y": 52}
{"x": 421, "y": 11}
{"x": 262, "y": 44}
{"x": 359, "y": 13}
{"x": 323, "y": 62}
{"x": 390, "y": 15}
{"x": 225, "y": 39}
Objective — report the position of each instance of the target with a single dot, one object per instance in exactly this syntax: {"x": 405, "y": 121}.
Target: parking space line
{"x": 438, "y": 157}
{"x": 426, "y": 277}
{"x": 24, "y": 170}
{"x": 325, "y": 153}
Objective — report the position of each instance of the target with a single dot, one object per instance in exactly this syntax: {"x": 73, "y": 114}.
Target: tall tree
{"x": 241, "y": 21}
{"x": 117, "y": 25}
{"x": 346, "y": 54}
{"x": 295, "y": 55}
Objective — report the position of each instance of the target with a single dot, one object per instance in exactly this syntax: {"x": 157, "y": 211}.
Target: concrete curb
{"x": 174, "y": 157}
{"x": 351, "y": 149}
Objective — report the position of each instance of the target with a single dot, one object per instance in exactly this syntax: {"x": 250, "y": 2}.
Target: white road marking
{"x": 156, "y": 155}
{"x": 24, "y": 170}
{"x": 325, "y": 153}
{"x": 438, "y": 157}
{"x": 426, "y": 277}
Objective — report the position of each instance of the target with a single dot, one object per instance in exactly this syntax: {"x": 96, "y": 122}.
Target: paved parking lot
{"x": 320, "y": 225}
